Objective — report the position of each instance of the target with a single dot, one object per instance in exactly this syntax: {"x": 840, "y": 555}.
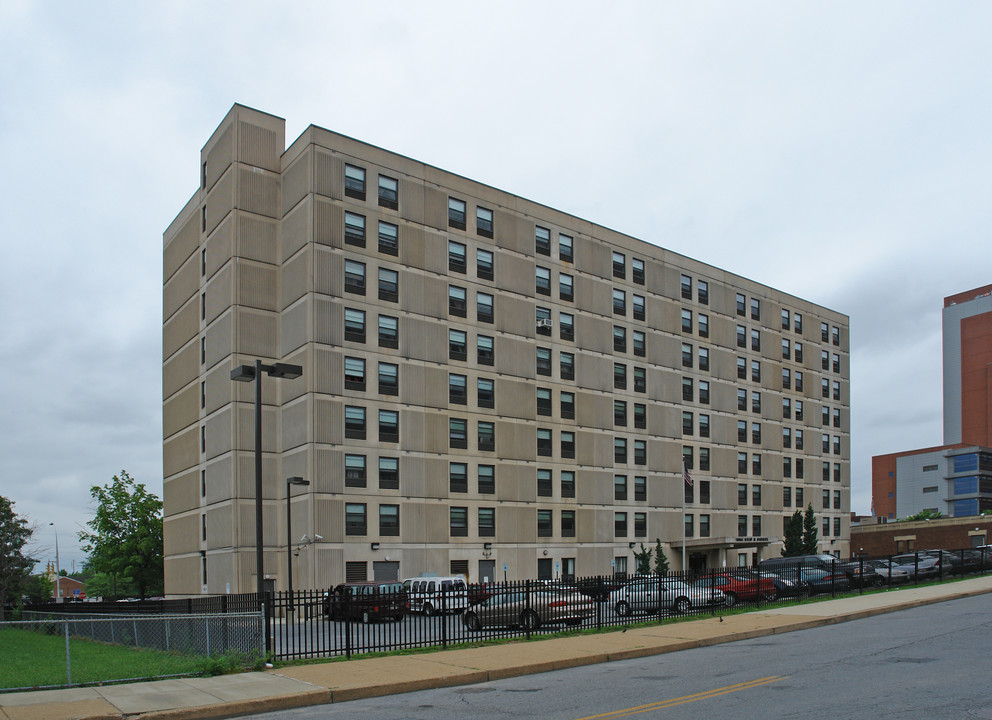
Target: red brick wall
{"x": 976, "y": 370}
{"x": 946, "y": 534}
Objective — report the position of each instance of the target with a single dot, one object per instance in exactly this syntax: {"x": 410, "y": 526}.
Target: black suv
{"x": 367, "y": 601}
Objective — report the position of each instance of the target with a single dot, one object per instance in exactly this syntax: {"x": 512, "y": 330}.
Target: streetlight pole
{"x": 253, "y": 373}
{"x": 58, "y": 566}
{"x": 290, "y": 482}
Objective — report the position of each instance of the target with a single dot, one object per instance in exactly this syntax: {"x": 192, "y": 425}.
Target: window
{"x": 836, "y": 390}
{"x": 543, "y": 401}
{"x": 755, "y": 309}
{"x": 620, "y": 450}
{"x": 457, "y": 345}
{"x": 826, "y": 472}
{"x": 484, "y": 264}
{"x": 620, "y": 524}
{"x": 544, "y": 442}
{"x": 741, "y": 368}
{"x": 389, "y": 520}
{"x": 542, "y": 280}
{"x": 742, "y": 525}
{"x": 567, "y": 365}
{"x": 799, "y": 439}
{"x": 389, "y": 473}
{"x": 742, "y": 493}
{"x": 686, "y": 320}
{"x": 389, "y": 192}
{"x": 704, "y": 425}
{"x": 354, "y": 277}
{"x": 703, "y": 322}
{"x": 637, "y": 270}
{"x": 825, "y": 442}
{"x": 836, "y": 445}
{"x": 565, "y": 289}
{"x": 756, "y": 433}
{"x": 742, "y": 431}
{"x": 798, "y": 352}
{"x": 458, "y": 477}
{"x": 457, "y": 392}
{"x": 389, "y": 335}
{"x": 389, "y": 285}
{"x": 354, "y": 181}
{"x": 542, "y": 241}
{"x": 704, "y": 392}
{"x": 703, "y": 292}
{"x": 354, "y": 471}
{"x": 640, "y": 415}
{"x": 544, "y": 487}
{"x": 755, "y": 526}
{"x": 565, "y": 248}
{"x": 619, "y": 338}
{"x": 389, "y": 426}
{"x": 640, "y": 488}
{"x": 640, "y": 524}
{"x": 756, "y": 464}
{"x": 487, "y": 522}
{"x": 567, "y": 444}
{"x": 837, "y": 526}
{"x": 786, "y": 378}
{"x": 755, "y": 339}
{"x": 798, "y": 322}
{"x": 741, "y": 336}
{"x": 484, "y": 350}
{"x": 486, "y": 396}
{"x": 389, "y": 379}
{"x": 835, "y": 335}
{"x": 704, "y": 485}
{"x": 756, "y": 371}
{"x": 619, "y": 302}
{"x": 786, "y": 349}
{"x": 354, "y": 422}
{"x": 687, "y": 391}
{"x": 354, "y": 229}
{"x": 836, "y": 416}
{"x": 756, "y": 402}
{"x": 487, "y": 436}
{"x": 799, "y": 497}
{"x": 799, "y": 409}
{"x": 836, "y": 472}
{"x": 689, "y": 524}
{"x": 567, "y": 484}
{"x": 688, "y": 423}
{"x": 389, "y": 243}
{"x": 786, "y": 438}
{"x": 704, "y": 526}
{"x": 619, "y": 413}
{"x": 458, "y": 522}
{"x": 686, "y": 285}
{"x": 824, "y": 360}
{"x": 741, "y": 399}
{"x": 824, "y": 332}
{"x": 487, "y": 479}
{"x": 457, "y": 433}
{"x": 686, "y": 355}
{"x": 543, "y": 317}
{"x": 637, "y": 303}
{"x": 741, "y": 307}
{"x": 785, "y": 319}
{"x": 544, "y": 528}
{"x": 826, "y": 499}
{"x": 456, "y": 213}
{"x": 568, "y": 523}
{"x": 619, "y": 487}
{"x": 543, "y": 361}
{"x": 836, "y": 499}
{"x": 456, "y": 257}
{"x": 800, "y": 468}
{"x": 619, "y": 376}
{"x": 567, "y": 405}
{"x": 799, "y": 381}
{"x": 484, "y": 222}
{"x": 640, "y": 452}
{"x": 619, "y": 265}
{"x": 704, "y": 359}
{"x": 756, "y": 495}
{"x": 640, "y": 380}
{"x": 354, "y": 373}
{"x": 640, "y": 343}
{"x": 355, "y": 519}
{"x": 484, "y": 307}
{"x": 456, "y": 301}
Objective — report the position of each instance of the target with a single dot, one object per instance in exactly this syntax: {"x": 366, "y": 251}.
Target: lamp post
{"x": 58, "y": 567}
{"x": 290, "y": 482}
{"x": 253, "y": 373}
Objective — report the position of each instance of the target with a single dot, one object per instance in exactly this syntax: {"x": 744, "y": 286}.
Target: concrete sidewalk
{"x": 231, "y": 695}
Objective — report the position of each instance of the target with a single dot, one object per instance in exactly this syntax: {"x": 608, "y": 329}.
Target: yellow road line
{"x": 686, "y": 698}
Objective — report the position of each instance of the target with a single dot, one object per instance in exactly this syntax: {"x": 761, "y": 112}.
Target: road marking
{"x": 686, "y": 698}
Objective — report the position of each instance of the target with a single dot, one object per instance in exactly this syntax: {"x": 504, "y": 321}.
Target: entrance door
{"x": 697, "y": 562}
{"x": 544, "y": 569}
{"x": 487, "y": 571}
{"x": 386, "y": 571}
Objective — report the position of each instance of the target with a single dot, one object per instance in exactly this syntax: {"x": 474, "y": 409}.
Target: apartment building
{"x": 490, "y": 386}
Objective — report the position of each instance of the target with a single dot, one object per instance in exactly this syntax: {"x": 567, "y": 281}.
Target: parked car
{"x": 366, "y": 601}
{"x": 823, "y": 581}
{"x": 477, "y": 592}
{"x": 529, "y": 610}
{"x": 739, "y": 586}
{"x": 599, "y": 588}
{"x": 872, "y": 573}
{"x": 651, "y": 595}
{"x": 917, "y": 566}
{"x": 432, "y": 595}
{"x": 784, "y": 565}
{"x": 790, "y": 586}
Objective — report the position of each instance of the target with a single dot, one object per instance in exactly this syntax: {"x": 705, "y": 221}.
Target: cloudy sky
{"x": 838, "y": 151}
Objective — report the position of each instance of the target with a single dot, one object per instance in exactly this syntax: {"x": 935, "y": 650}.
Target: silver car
{"x": 529, "y": 610}
{"x": 642, "y": 595}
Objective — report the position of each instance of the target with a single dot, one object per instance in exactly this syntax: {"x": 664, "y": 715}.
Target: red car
{"x": 736, "y": 588}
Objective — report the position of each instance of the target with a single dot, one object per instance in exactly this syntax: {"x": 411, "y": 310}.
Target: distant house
{"x": 68, "y": 588}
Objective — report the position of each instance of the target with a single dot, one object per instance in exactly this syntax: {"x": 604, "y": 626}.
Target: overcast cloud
{"x": 838, "y": 151}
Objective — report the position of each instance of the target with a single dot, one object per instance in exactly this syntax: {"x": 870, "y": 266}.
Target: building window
{"x": 619, "y": 376}
{"x": 687, "y": 391}
{"x": 389, "y": 380}
{"x": 741, "y": 399}
{"x": 543, "y": 401}
{"x": 389, "y": 426}
{"x": 755, "y": 309}
{"x": 354, "y": 422}
{"x": 456, "y": 257}
{"x": 354, "y": 277}
{"x": 565, "y": 248}
{"x": 836, "y": 390}
{"x": 686, "y": 284}
{"x": 786, "y": 438}
{"x": 785, "y": 319}
{"x": 786, "y": 378}
{"x": 458, "y": 477}
{"x": 354, "y": 229}
{"x": 837, "y": 526}
{"x": 704, "y": 526}
{"x": 836, "y": 472}
{"x": 389, "y": 192}
{"x": 688, "y": 423}
{"x": 542, "y": 241}
{"x": 542, "y": 280}
{"x": 704, "y": 485}
{"x": 741, "y": 306}
{"x": 354, "y": 182}
{"x": 355, "y": 519}
{"x": 487, "y": 522}
{"x": 640, "y": 524}
{"x": 567, "y": 366}
{"x": 824, "y": 360}
{"x": 756, "y": 464}
{"x": 456, "y": 301}
{"x": 686, "y": 355}
{"x": 544, "y": 486}
{"x": 640, "y": 380}
{"x": 457, "y": 391}
{"x": 798, "y": 322}
{"x": 354, "y": 373}
{"x": 835, "y": 335}
{"x": 484, "y": 350}
{"x": 689, "y": 525}
{"x": 640, "y": 415}
{"x": 637, "y": 304}
{"x": 354, "y": 471}
{"x": 755, "y": 371}
{"x": 640, "y": 344}
{"x": 620, "y": 524}
{"x": 484, "y": 222}
{"x": 799, "y": 440}
{"x": 389, "y": 285}
{"x": 619, "y": 302}
{"x": 388, "y": 238}
{"x": 567, "y": 484}
{"x": 640, "y": 452}
{"x": 836, "y": 445}
{"x": 824, "y": 332}
{"x": 619, "y": 265}
{"x": 484, "y": 307}
{"x": 703, "y": 322}
{"x": 836, "y": 499}
{"x": 389, "y": 520}
{"x": 742, "y": 463}
{"x": 836, "y": 416}
{"x": 388, "y": 331}
{"x": 756, "y": 495}
{"x": 703, "y": 292}
{"x": 741, "y": 336}
{"x": 799, "y": 381}
{"x": 637, "y": 270}
{"x": 704, "y": 392}
{"x": 620, "y": 450}
{"x": 756, "y": 433}
{"x": 458, "y": 522}
{"x": 619, "y": 413}
{"x": 389, "y": 473}
{"x": 565, "y": 287}
{"x": 567, "y": 523}
{"x": 704, "y": 425}
{"x": 543, "y": 361}
{"x": 456, "y": 213}
{"x": 640, "y": 488}
{"x": 544, "y": 442}
{"x": 487, "y": 479}
{"x": 799, "y": 409}
{"x": 484, "y": 264}
{"x": 457, "y": 345}
{"x": 755, "y": 526}
{"x": 457, "y": 433}
{"x": 567, "y": 405}
{"x": 486, "y": 395}
{"x": 544, "y": 528}
{"x": 619, "y": 338}
{"x": 755, "y": 401}
{"x": 686, "y": 320}
{"x": 619, "y": 487}
{"x": 786, "y": 349}
{"x": 755, "y": 340}
{"x": 487, "y": 436}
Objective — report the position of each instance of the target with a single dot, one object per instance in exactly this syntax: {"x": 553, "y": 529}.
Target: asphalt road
{"x": 929, "y": 662}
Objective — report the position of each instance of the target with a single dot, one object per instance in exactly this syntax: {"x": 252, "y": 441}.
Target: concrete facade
{"x": 487, "y": 382}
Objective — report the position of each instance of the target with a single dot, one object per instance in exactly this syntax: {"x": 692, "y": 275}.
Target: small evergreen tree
{"x": 794, "y": 535}
{"x": 643, "y": 558}
{"x": 660, "y": 560}
{"x": 809, "y": 531}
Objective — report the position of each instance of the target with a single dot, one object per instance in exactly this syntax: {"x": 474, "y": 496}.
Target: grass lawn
{"x": 36, "y": 660}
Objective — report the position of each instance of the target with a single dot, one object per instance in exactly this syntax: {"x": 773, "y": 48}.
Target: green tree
{"x": 794, "y": 535}
{"x": 809, "y": 531}
{"x": 38, "y": 589}
{"x": 15, "y": 566}
{"x": 126, "y": 538}
{"x": 643, "y": 558}
{"x": 923, "y": 515}
{"x": 660, "y": 559}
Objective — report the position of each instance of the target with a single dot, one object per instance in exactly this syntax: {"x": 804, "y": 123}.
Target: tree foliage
{"x": 924, "y": 515}
{"x": 126, "y": 538}
{"x": 809, "y": 531}
{"x": 660, "y": 559}
{"x": 38, "y": 589}
{"x": 794, "y": 535}
{"x": 643, "y": 559}
{"x": 15, "y": 566}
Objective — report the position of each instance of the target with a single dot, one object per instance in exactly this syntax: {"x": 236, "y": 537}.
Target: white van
{"x": 433, "y": 595}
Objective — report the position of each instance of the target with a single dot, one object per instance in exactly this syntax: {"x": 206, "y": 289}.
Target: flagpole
{"x": 683, "y": 528}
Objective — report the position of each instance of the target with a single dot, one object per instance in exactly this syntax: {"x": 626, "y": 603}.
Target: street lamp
{"x": 290, "y": 482}
{"x": 58, "y": 567}
{"x": 249, "y": 373}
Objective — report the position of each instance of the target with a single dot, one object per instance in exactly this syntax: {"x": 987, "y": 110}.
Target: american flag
{"x": 686, "y": 475}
